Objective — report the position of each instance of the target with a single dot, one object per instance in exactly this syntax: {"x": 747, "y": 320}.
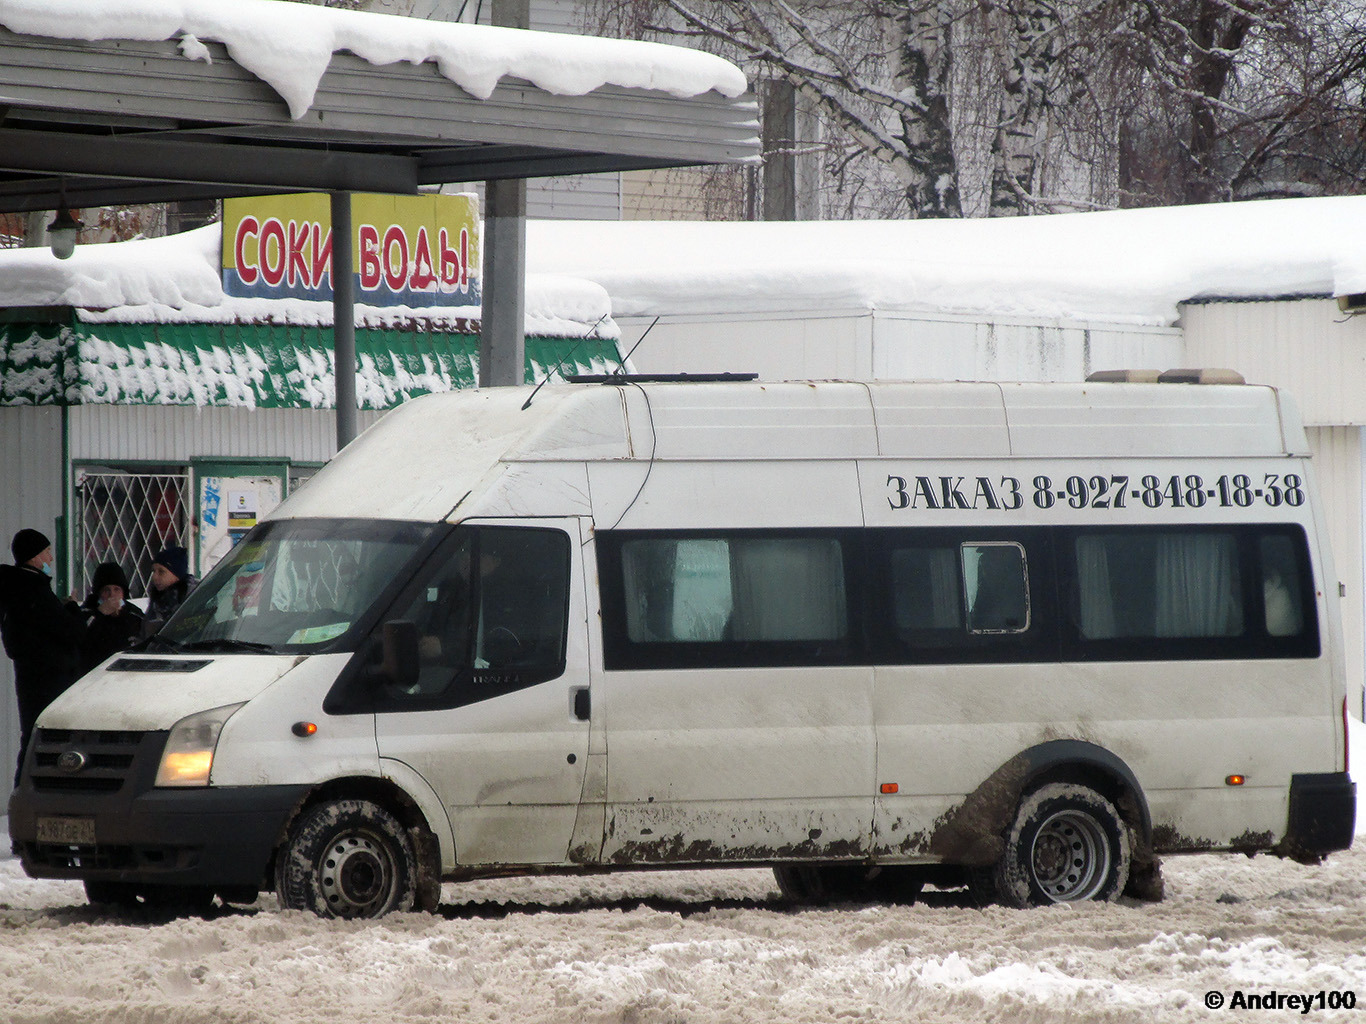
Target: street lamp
{"x": 62, "y": 233}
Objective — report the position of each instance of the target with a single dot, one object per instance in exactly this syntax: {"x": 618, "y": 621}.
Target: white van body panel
{"x": 258, "y": 746}
{"x": 510, "y": 769}
{"x": 110, "y": 699}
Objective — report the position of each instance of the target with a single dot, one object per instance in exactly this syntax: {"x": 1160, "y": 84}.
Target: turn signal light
{"x": 890, "y": 787}
{"x": 1235, "y": 780}
{"x": 304, "y": 728}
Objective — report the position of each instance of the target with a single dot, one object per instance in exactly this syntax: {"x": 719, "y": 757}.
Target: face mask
{"x": 47, "y": 568}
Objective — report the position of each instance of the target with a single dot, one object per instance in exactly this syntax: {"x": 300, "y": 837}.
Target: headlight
{"x": 188, "y": 756}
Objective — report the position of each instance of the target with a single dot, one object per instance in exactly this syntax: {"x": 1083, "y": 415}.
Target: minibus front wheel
{"x": 348, "y": 859}
{"x": 1067, "y": 843}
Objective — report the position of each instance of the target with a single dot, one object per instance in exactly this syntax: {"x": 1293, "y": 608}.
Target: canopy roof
{"x": 152, "y": 100}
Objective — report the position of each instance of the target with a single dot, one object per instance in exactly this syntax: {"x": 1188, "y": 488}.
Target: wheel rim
{"x": 1070, "y": 856}
{"x": 356, "y": 873}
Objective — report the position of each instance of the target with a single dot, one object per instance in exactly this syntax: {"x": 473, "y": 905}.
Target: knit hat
{"x": 108, "y": 574}
{"x": 26, "y": 544}
{"x": 176, "y": 559}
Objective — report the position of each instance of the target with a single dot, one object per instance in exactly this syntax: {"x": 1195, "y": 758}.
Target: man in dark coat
{"x": 41, "y": 635}
{"x": 171, "y": 584}
{"x": 111, "y": 623}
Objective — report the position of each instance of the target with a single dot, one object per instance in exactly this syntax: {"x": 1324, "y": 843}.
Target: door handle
{"x": 583, "y": 704}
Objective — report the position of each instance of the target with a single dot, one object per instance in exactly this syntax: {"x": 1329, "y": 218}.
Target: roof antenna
{"x": 559, "y": 364}
{"x": 621, "y": 370}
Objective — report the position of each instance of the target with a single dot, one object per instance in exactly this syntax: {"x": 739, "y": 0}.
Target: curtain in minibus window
{"x": 1282, "y": 594}
{"x": 1165, "y": 584}
{"x": 741, "y": 589}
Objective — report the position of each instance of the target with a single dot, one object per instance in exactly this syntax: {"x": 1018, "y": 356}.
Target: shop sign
{"x": 407, "y": 250}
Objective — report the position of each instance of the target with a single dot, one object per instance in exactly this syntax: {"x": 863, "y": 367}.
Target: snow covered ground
{"x": 672, "y": 947}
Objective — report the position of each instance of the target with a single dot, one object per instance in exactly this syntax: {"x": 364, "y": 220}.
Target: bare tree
{"x": 977, "y": 107}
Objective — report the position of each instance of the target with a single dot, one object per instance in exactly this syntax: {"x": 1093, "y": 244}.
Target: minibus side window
{"x": 712, "y": 590}
{"x": 1159, "y": 584}
{"x": 676, "y": 600}
{"x": 491, "y": 611}
{"x": 1233, "y": 592}
{"x": 1282, "y": 587}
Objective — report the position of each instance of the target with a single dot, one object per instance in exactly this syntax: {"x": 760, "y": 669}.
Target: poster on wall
{"x": 228, "y": 508}
{"x": 406, "y": 250}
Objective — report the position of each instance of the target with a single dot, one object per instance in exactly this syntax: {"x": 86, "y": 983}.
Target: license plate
{"x": 67, "y": 831}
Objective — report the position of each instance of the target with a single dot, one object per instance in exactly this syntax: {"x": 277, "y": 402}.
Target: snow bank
{"x": 662, "y": 947}
{"x": 1128, "y": 266}
{"x": 289, "y": 46}
{"x": 177, "y": 279}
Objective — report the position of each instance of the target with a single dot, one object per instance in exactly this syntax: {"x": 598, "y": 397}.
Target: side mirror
{"x": 399, "y": 649}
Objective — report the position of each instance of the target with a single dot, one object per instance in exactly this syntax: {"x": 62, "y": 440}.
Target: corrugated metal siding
{"x": 970, "y": 348}
{"x": 1304, "y": 345}
{"x": 31, "y": 457}
{"x": 576, "y": 197}
{"x": 1338, "y": 469}
{"x": 175, "y": 434}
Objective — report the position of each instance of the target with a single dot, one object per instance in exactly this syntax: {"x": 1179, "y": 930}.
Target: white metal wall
{"x": 893, "y": 346}
{"x": 1304, "y": 345}
{"x": 175, "y": 434}
{"x": 1338, "y": 469}
{"x": 1004, "y": 348}
{"x": 31, "y": 468}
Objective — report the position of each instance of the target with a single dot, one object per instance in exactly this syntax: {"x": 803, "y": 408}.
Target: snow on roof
{"x": 1128, "y": 266}
{"x": 178, "y": 279}
{"x": 289, "y": 46}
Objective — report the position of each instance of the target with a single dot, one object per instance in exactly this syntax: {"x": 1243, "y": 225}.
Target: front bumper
{"x": 122, "y": 829}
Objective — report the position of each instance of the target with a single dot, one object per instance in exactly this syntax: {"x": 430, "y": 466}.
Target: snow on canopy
{"x": 178, "y": 279}
{"x": 289, "y": 46}
{"x": 1128, "y": 266}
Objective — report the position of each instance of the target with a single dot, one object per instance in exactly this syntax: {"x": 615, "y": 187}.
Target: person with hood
{"x": 111, "y": 623}
{"x": 41, "y": 633}
{"x": 171, "y": 584}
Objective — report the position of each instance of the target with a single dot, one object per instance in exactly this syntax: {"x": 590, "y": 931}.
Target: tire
{"x": 347, "y": 859}
{"x": 1066, "y": 844}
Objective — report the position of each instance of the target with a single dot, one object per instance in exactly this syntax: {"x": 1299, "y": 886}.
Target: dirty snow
{"x": 289, "y": 46}
{"x": 1126, "y": 266}
{"x": 698, "y": 946}
{"x": 708, "y": 946}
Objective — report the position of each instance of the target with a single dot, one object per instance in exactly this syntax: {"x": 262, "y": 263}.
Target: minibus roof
{"x": 436, "y": 453}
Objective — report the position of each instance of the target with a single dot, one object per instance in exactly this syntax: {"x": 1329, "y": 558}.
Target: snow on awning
{"x": 267, "y": 366}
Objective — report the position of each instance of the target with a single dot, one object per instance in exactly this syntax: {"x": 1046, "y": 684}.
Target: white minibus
{"x": 1029, "y": 638}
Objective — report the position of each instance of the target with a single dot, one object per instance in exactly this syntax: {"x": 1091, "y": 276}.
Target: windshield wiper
{"x": 155, "y": 641}
{"x": 225, "y": 645}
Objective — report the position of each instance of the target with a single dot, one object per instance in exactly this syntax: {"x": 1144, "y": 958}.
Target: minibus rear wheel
{"x": 349, "y": 859}
{"x": 1067, "y": 843}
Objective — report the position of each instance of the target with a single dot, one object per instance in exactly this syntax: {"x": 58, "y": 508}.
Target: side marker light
{"x": 1235, "y": 780}
{"x": 304, "y": 728}
{"x": 890, "y": 787}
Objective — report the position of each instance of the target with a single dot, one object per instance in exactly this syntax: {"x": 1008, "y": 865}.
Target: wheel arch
{"x": 973, "y": 833}
{"x": 395, "y": 799}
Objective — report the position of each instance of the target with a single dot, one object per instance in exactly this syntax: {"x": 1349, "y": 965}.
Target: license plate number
{"x": 67, "y": 831}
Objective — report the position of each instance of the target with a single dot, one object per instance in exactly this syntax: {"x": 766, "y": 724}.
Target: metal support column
{"x": 343, "y": 318}
{"x": 502, "y": 336}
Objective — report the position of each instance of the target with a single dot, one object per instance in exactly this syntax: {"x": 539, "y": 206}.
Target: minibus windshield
{"x": 293, "y": 585}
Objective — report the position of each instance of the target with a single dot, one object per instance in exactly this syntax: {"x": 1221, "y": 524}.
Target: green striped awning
{"x": 268, "y": 366}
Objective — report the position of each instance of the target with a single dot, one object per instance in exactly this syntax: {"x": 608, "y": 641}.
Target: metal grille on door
{"x": 127, "y": 518}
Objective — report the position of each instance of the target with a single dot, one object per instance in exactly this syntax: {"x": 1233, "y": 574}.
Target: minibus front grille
{"x": 83, "y": 761}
